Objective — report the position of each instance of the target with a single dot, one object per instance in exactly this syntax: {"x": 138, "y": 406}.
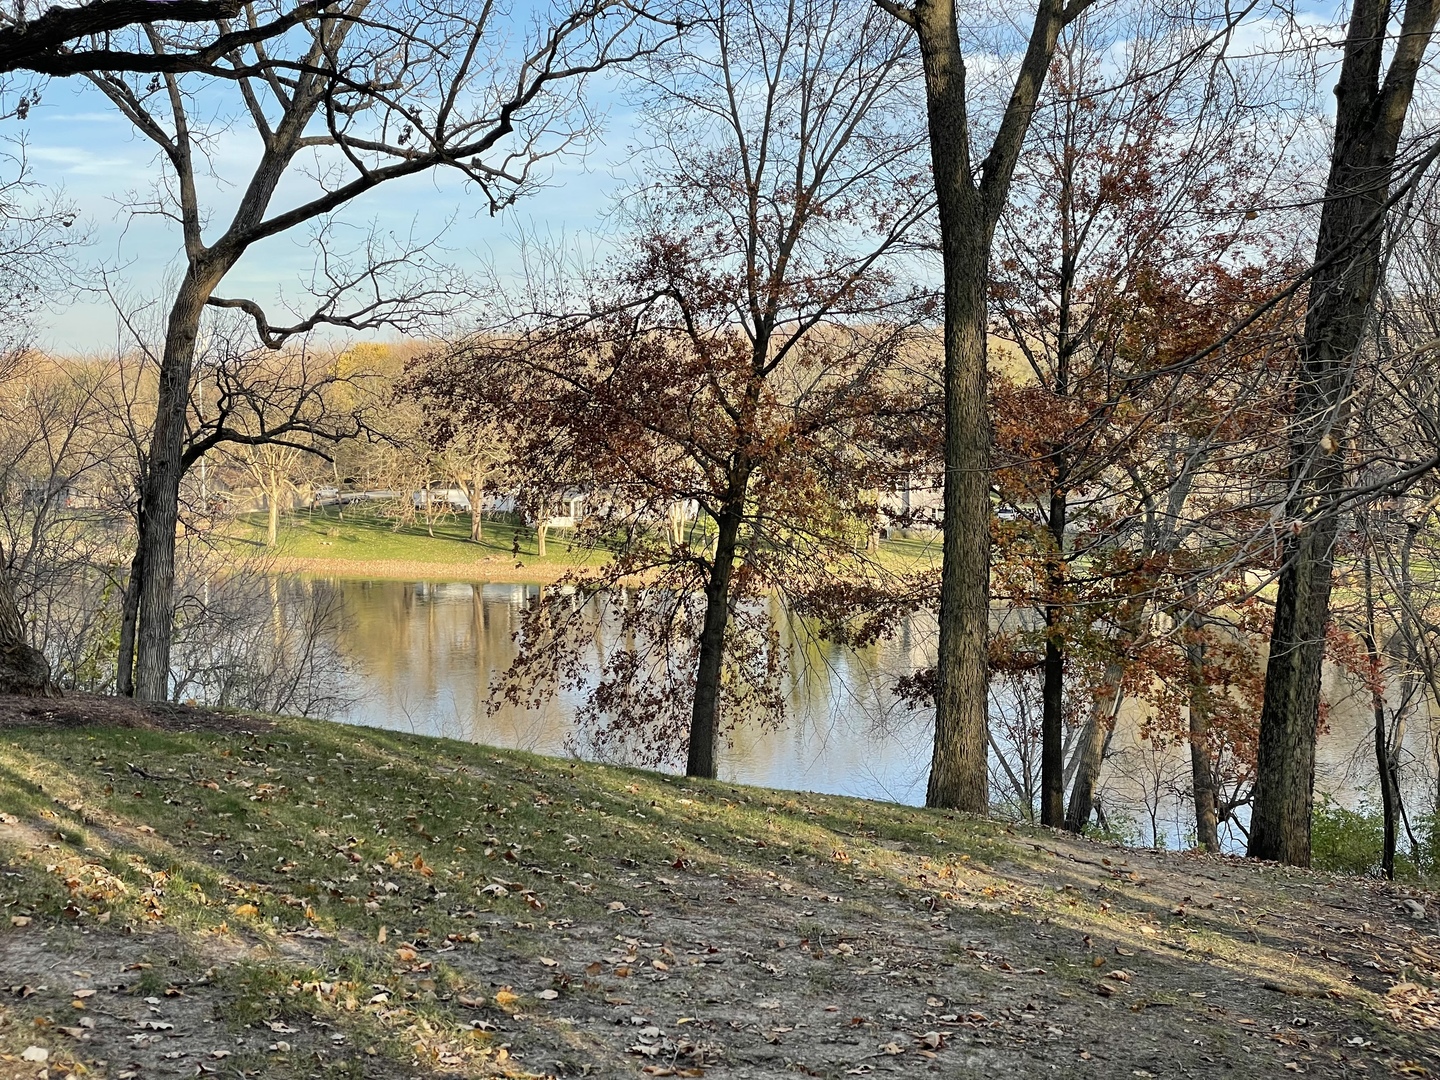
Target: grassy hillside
{"x": 183, "y": 893}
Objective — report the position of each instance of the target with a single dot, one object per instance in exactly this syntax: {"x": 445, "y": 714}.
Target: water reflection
{"x": 426, "y": 655}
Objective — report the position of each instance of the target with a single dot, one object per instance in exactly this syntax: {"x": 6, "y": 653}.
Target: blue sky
{"x": 77, "y": 142}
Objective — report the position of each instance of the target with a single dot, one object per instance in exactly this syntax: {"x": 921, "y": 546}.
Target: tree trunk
{"x": 959, "y": 775}
{"x": 540, "y": 528}
{"x": 1202, "y": 768}
{"x": 1052, "y": 722}
{"x": 23, "y": 668}
{"x": 129, "y": 611}
{"x": 705, "y": 712}
{"x": 675, "y": 523}
{"x": 477, "y": 493}
{"x": 1389, "y": 784}
{"x": 1093, "y": 741}
{"x": 160, "y": 494}
{"x": 272, "y": 525}
{"x": 1386, "y": 767}
{"x": 1368, "y": 122}
{"x": 968, "y": 210}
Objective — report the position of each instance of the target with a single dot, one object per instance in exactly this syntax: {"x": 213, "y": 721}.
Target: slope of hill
{"x": 185, "y": 893}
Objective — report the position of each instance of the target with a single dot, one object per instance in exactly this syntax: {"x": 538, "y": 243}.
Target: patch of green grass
{"x": 364, "y": 533}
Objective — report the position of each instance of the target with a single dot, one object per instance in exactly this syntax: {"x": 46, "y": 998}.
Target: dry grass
{"x": 318, "y": 900}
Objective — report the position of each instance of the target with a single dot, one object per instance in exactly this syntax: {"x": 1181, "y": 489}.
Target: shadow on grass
{"x": 357, "y": 902}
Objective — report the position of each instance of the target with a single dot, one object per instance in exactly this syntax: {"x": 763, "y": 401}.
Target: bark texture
{"x": 1090, "y": 754}
{"x": 705, "y": 712}
{"x": 968, "y": 211}
{"x": 1371, "y": 104}
{"x": 1052, "y": 723}
{"x": 160, "y": 495}
{"x": 1202, "y": 768}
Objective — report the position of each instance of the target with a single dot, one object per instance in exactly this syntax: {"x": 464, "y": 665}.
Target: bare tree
{"x": 34, "y": 252}
{"x": 268, "y": 408}
{"x": 362, "y": 94}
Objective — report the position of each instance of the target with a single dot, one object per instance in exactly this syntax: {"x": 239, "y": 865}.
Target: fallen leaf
{"x": 35, "y": 1053}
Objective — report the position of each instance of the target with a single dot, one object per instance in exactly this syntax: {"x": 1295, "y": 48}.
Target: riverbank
{"x": 359, "y": 543}
{"x": 483, "y": 569}
{"x": 184, "y": 891}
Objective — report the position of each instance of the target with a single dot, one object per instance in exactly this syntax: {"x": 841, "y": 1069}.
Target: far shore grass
{"x": 361, "y": 543}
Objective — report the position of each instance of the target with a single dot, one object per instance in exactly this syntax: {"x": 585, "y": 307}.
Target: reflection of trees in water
{"x": 243, "y": 638}
{"x": 429, "y": 656}
{"x": 247, "y": 639}
{"x": 426, "y": 658}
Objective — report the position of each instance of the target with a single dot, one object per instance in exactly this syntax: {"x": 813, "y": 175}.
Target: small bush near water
{"x": 1350, "y": 842}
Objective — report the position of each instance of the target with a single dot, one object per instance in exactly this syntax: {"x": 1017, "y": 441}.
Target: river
{"x": 423, "y": 657}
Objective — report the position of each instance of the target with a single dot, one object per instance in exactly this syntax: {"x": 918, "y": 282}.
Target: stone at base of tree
{"x": 24, "y": 670}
